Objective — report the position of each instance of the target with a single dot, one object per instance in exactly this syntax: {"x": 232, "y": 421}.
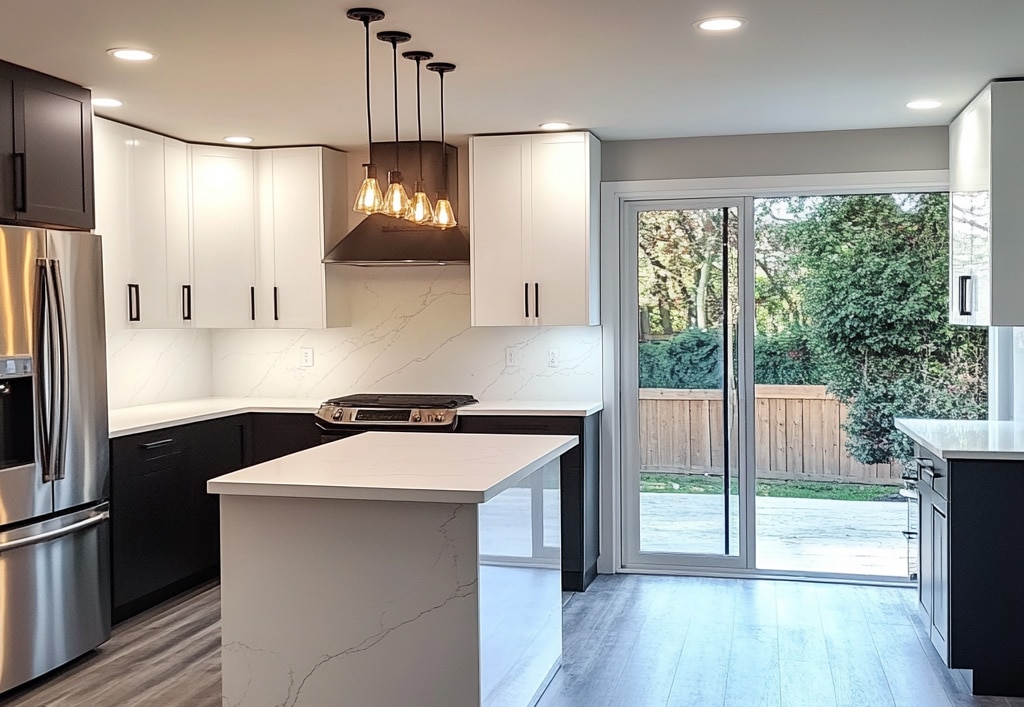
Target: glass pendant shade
{"x": 444, "y": 215}
{"x": 396, "y": 201}
{"x": 420, "y": 210}
{"x": 369, "y": 200}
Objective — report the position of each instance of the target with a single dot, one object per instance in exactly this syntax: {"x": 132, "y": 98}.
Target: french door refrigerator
{"x": 54, "y": 459}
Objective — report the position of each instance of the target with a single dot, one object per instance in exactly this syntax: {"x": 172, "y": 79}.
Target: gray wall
{"x": 889, "y": 149}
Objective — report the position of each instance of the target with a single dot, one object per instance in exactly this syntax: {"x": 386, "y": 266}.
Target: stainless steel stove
{"x": 351, "y": 414}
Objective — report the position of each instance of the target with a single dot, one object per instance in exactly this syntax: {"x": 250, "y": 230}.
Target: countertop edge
{"x": 949, "y": 452}
{"x": 126, "y": 421}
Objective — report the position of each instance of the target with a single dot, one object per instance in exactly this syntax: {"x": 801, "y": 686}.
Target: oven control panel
{"x": 335, "y": 415}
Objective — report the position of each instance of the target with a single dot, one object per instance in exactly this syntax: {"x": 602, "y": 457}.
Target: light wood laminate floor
{"x": 629, "y": 641}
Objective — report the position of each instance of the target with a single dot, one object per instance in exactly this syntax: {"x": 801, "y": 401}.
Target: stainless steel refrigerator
{"x": 54, "y": 459}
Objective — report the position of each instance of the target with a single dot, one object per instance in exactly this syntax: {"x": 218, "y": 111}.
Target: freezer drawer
{"x": 54, "y": 593}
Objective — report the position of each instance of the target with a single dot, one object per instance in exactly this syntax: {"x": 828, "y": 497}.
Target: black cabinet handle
{"x": 157, "y": 444}
{"x": 526, "y": 300}
{"x": 964, "y": 283}
{"x": 275, "y": 304}
{"x": 252, "y": 303}
{"x": 186, "y": 302}
{"x": 134, "y": 312}
{"x": 536, "y": 299}
{"x": 20, "y": 183}
{"x": 927, "y": 467}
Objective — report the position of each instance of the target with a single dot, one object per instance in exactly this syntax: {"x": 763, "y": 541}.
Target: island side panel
{"x": 328, "y": 601}
{"x": 521, "y": 589}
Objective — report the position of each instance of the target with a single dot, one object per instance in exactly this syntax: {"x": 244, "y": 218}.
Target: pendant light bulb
{"x": 420, "y": 210}
{"x": 396, "y": 201}
{"x": 444, "y": 215}
{"x": 369, "y": 200}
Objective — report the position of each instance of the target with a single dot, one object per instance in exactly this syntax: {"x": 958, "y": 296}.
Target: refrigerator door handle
{"x": 61, "y": 325}
{"x": 58, "y": 532}
{"x": 43, "y": 419}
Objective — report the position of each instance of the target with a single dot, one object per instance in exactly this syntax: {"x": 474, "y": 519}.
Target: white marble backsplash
{"x": 157, "y": 365}
{"x": 410, "y": 333}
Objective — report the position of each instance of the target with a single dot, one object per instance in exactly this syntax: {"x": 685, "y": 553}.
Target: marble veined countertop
{"x": 396, "y": 466}
{"x": 145, "y": 418}
{"x": 967, "y": 439}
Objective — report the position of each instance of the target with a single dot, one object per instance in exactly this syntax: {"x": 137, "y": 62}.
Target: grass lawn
{"x": 655, "y": 482}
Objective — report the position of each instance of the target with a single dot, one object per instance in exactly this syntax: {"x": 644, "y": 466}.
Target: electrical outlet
{"x": 306, "y": 356}
{"x": 552, "y": 358}
{"x": 510, "y": 357}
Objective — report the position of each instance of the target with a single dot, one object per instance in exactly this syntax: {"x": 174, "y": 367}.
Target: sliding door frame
{"x": 617, "y": 396}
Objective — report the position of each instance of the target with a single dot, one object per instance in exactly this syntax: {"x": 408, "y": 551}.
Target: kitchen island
{"x": 392, "y": 569}
{"x": 970, "y": 477}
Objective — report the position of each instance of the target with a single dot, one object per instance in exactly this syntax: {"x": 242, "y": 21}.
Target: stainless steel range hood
{"x": 380, "y": 240}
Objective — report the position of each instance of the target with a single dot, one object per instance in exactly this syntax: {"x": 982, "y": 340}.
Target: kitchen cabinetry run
{"x": 580, "y": 479}
{"x": 534, "y": 210}
{"x": 46, "y": 177}
{"x": 986, "y": 177}
{"x": 164, "y": 525}
{"x": 971, "y": 577}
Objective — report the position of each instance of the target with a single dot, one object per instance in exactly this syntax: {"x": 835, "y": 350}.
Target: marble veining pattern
{"x": 157, "y": 365}
{"x": 296, "y": 647}
{"x": 410, "y": 333}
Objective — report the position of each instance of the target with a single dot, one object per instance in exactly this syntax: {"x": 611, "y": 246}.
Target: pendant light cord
{"x": 444, "y": 148}
{"x": 369, "y": 124}
{"x": 419, "y": 119}
{"x": 394, "y": 62}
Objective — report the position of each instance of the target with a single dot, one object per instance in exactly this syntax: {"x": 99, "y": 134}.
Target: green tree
{"x": 873, "y": 289}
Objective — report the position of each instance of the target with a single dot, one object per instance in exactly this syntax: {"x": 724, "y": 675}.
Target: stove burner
{"x": 391, "y": 411}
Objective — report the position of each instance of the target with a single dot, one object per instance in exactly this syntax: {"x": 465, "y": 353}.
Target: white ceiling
{"x": 291, "y": 71}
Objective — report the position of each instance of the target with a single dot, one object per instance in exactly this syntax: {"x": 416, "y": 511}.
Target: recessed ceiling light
{"x": 129, "y": 54}
{"x": 923, "y": 104}
{"x": 720, "y": 24}
{"x": 106, "y": 102}
{"x": 554, "y": 125}
{"x": 238, "y": 139}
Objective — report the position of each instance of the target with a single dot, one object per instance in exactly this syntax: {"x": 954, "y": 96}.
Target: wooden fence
{"x": 798, "y": 435}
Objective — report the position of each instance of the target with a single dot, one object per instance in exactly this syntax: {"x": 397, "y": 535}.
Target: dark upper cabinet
{"x": 46, "y": 150}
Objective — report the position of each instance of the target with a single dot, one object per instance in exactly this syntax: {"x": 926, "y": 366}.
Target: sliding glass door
{"x": 685, "y": 494}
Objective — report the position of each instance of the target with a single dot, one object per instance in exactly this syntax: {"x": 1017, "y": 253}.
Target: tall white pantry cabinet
{"x": 217, "y": 237}
{"x": 986, "y": 208}
{"x": 534, "y": 213}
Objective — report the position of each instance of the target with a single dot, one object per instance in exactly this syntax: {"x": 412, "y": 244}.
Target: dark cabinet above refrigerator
{"x": 46, "y": 174}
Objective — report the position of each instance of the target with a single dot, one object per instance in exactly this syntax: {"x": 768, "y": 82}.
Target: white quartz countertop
{"x": 967, "y": 439}
{"x": 145, "y": 418}
{"x": 397, "y": 466}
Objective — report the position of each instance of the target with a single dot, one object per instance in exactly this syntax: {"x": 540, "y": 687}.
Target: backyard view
{"x": 849, "y": 331}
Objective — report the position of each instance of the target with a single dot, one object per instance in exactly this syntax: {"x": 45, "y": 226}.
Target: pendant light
{"x": 396, "y": 201}
{"x": 444, "y": 215}
{"x": 420, "y": 210}
{"x": 369, "y": 199}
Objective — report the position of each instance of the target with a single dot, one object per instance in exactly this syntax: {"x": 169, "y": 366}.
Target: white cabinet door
{"x": 178, "y": 245}
{"x": 534, "y": 229}
{"x": 561, "y": 235}
{"x": 223, "y": 237}
{"x": 499, "y": 219}
{"x": 147, "y": 231}
{"x": 110, "y": 177}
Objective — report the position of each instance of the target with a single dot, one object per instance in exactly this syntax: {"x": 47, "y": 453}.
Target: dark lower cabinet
{"x": 972, "y": 573}
{"x": 277, "y": 434}
{"x": 164, "y": 526}
{"x": 46, "y": 174}
{"x": 580, "y": 493}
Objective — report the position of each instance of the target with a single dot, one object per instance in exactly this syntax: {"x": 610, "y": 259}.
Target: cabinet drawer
{"x": 932, "y": 471}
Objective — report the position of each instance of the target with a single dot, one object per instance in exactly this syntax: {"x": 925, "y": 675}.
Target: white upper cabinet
{"x": 534, "y": 228}
{"x": 223, "y": 191}
{"x": 986, "y": 208}
{"x": 142, "y": 195}
{"x": 300, "y": 190}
